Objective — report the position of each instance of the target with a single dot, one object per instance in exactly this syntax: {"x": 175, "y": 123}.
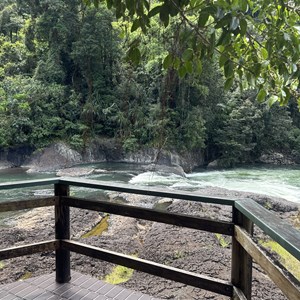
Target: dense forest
{"x": 65, "y": 75}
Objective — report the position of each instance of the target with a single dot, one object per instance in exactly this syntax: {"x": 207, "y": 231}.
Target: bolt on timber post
{"x": 62, "y": 231}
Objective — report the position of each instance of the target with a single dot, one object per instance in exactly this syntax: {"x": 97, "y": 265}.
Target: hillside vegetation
{"x": 65, "y": 75}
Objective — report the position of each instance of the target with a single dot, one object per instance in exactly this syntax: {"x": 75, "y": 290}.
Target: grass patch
{"x": 285, "y": 258}
{"x": 222, "y": 241}
{"x": 27, "y": 275}
{"x": 178, "y": 254}
{"x": 119, "y": 275}
{"x": 1, "y": 265}
{"x": 98, "y": 229}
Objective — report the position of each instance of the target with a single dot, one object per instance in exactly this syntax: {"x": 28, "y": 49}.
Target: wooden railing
{"x": 245, "y": 213}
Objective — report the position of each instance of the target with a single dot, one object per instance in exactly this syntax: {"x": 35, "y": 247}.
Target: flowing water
{"x": 276, "y": 181}
{"x": 273, "y": 181}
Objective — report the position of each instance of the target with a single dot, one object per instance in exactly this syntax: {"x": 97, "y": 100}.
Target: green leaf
{"x": 224, "y": 22}
{"x": 182, "y": 71}
{"x": 272, "y": 99}
{"x": 228, "y": 83}
{"x": 228, "y": 69}
{"x": 243, "y": 5}
{"x": 243, "y": 27}
{"x": 187, "y": 54}
{"x": 223, "y": 59}
{"x": 189, "y": 67}
{"x": 164, "y": 15}
{"x": 109, "y": 3}
{"x": 224, "y": 38}
{"x": 203, "y": 17}
{"x": 130, "y": 6}
{"x": 134, "y": 55}
{"x": 198, "y": 66}
{"x": 176, "y": 63}
{"x": 264, "y": 53}
{"x": 168, "y": 61}
{"x": 256, "y": 69}
{"x": 261, "y": 96}
{"x": 135, "y": 25}
{"x": 154, "y": 11}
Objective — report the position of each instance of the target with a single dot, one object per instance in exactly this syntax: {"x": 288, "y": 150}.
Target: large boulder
{"x": 188, "y": 161}
{"x": 276, "y": 158}
{"x": 14, "y": 156}
{"x": 52, "y": 158}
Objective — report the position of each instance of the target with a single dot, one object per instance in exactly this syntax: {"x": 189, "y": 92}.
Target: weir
{"x": 245, "y": 214}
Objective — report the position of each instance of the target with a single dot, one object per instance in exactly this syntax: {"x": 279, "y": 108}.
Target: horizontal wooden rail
{"x": 26, "y": 204}
{"x": 151, "y": 215}
{"x": 281, "y": 232}
{"x": 29, "y": 249}
{"x": 149, "y": 191}
{"x": 274, "y": 272}
{"x": 201, "y": 281}
{"x": 28, "y": 183}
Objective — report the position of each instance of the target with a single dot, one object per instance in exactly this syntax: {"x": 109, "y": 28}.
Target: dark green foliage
{"x": 241, "y": 133}
{"x": 65, "y": 74}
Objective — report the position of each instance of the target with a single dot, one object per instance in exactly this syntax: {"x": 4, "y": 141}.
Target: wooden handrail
{"x": 274, "y": 272}
{"x": 27, "y": 204}
{"x": 205, "y": 224}
{"x": 221, "y": 287}
{"x": 284, "y": 234}
{"x": 245, "y": 214}
{"x": 149, "y": 191}
{"x": 28, "y": 249}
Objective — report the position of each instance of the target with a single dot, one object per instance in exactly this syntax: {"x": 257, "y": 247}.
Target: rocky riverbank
{"x": 197, "y": 251}
{"x": 60, "y": 155}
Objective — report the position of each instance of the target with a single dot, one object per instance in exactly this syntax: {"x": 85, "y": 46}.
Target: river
{"x": 269, "y": 180}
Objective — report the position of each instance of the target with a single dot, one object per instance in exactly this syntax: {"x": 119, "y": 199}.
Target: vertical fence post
{"x": 241, "y": 268}
{"x": 62, "y": 231}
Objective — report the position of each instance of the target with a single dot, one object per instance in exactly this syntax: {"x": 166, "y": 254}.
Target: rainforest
{"x": 66, "y": 74}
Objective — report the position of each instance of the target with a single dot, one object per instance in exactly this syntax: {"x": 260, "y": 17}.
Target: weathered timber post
{"x": 62, "y": 231}
{"x": 241, "y": 268}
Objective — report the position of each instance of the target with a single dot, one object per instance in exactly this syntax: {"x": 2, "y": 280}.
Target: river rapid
{"x": 273, "y": 181}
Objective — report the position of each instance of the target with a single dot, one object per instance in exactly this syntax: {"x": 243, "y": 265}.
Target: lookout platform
{"x": 80, "y": 287}
{"x": 246, "y": 214}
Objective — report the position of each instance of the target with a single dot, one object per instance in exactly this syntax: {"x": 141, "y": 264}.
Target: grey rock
{"x": 53, "y": 158}
{"x": 165, "y": 170}
{"x": 276, "y": 158}
{"x": 73, "y": 172}
{"x": 213, "y": 165}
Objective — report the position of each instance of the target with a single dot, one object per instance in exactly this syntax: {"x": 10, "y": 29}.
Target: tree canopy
{"x": 64, "y": 76}
{"x": 256, "y": 42}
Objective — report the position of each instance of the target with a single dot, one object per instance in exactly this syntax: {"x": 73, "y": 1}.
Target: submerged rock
{"x": 74, "y": 172}
{"x": 165, "y": 170}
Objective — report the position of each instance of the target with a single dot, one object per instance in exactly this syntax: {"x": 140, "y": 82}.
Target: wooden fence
{"x": 245, "y": 213}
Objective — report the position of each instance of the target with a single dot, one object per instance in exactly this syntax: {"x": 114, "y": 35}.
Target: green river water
{"x": 281, "y": 182}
